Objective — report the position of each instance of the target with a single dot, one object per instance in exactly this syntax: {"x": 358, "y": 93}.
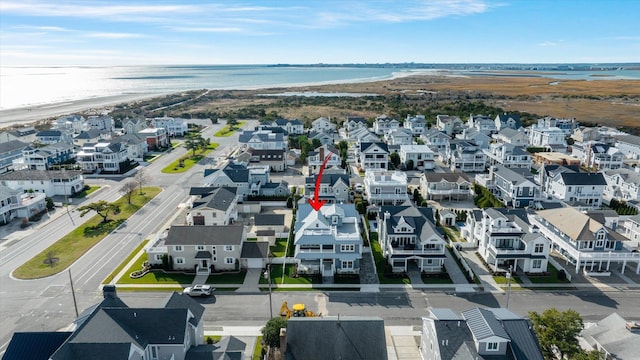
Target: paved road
{"x": 47, "y": 304}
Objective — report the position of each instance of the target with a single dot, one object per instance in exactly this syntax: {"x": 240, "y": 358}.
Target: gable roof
{"x": 576, "y": 178}
{"x": 34, "y": 345}
{"x": 180, "y": 301}
{"x": 269, "y": 219}
{"x": 49, "y": 133}
{"x": 342, "y": 338}
{"x": 40, "y": 174}
{"x": 12, "y": 145}
{"x": 255, "y": 250}
{"x": 432, "y": 177}
{"x": 205, "y": 235}
{"x": 220, "y": 198}
{"x": 366, "y": 146}
{"x": 577, "y": 225}
{"x": 483, "y": 324}
{"x": 328, "y": 178}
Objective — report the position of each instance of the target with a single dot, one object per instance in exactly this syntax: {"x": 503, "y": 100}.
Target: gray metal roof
{"x": 483, "y": 324}
{"x": 40, "y": 174}
{"x": 524, "y": 343}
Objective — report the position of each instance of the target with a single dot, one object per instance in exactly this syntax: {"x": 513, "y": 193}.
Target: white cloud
{"x": 107, "y": 35}
{"x": 551, "y": 43}
{"x": 207, "y": 29}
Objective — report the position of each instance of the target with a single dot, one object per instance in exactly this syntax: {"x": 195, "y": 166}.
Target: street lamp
{"x": 509, "y": 284}
{"x": 267, "y": 276}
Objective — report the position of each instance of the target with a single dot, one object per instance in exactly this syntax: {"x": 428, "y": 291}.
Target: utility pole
{"x": 73, "y": 293}
{"x": 509, "y": 284}
{"x": 267, "y": 275}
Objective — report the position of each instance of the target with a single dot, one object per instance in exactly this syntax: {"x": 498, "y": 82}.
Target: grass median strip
{"x": 228, "y": 131}
{"x": 186, "y": 162}
{"x": 72, "y": 246}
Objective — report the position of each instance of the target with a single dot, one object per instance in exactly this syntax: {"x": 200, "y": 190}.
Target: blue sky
{"x": 133, "y": 32}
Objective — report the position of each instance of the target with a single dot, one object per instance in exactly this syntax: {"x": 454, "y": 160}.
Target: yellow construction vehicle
{"x": 299, "y": 310}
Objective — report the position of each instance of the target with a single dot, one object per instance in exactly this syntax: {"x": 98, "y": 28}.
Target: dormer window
{"x": 334, "y": 219}
{"x": 492, "y": 346}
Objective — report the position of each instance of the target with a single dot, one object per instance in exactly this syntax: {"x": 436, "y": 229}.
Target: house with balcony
{"x": 45, "y": 157}
{"x": 622, "y": 184}
{"x": 383, "y": 124}
{"x": 408, "y": 235}
{"x": 216, "y": 208}
{"x": 136, "y": 145}
{"x": 515, "y": 187}
{"x": 323, "y": 125}
{"x": 316, "y": 158}
{"x": 26, "y": 134}
{"x": 324, "y": 138}
{"x": 89, "y": 136}
{"x": 263, "y": 140}
{"x": 506, "y": 240}
{"x": 450, "y": 125}
{"x": 416, "y": 124}
{"x": 11, "y": 151}
{"x": 441, "y": 186}
{"x": 483, "y": 124}
{"x": 465, "y": 156}
{"x": 73, "y": 123}
{"x": 205, "y": 249}
{"x": 354, "y": 122}
{"x": 399, "y": 136}
{"x": 102, "y": 123}
{"x": 360, "y": 135}
{"x": 496, "y": 334}
{"x": 567, "y": 126}
{"x": 597, "y": 155}
{"x": 107, "y": 157}
{"x": 437, "y": 140}
{"x": 385, "y": 187}
{"x": 327, "y": 241}
{"x": 507, "y": 155}
{"x": 568, "y": 184}
{"x": 49, "y": 182}
{"x": 629, "y": 145}
{"x": 156, "y": 138}
{"x": 248, "y": 180}
{"x": 134, "y": 125}
{"x": 14, "y": 203}
{"x": 475, "y": 136}
{"x": 631, "y": 228}
{"x": 273, "y": 158}
{"x": 294, "y": 127}
{"x": 585, "y": 240}
{"x": 508, "y": 121}
{"x": 173, "y": 126}
{"x": 511, "y": 136}
{"x": 49, "y": 137}
{"x": 374, "y": 156}
{"x": 334, "y": 187}
{"x": 549, "y": 138}
{"x": 421, "y": 156}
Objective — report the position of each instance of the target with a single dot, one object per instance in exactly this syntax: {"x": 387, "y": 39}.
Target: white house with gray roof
{"x": 328, "y": 241}
{"x": 17, "y": 204}
{"x": 437, "y": 140}
{"x": 49, "y": 182}
{"x": 516, "y": 187}
{"x": 440, "y": 186}
{"x": 374, "y": 156}
{"x": 422, "y": 156}
{"x": 174, "y": 126}
{"x": 508, "y": 155}
{"x": 508, "y": 121}
{"x": 383, "y": 124}
{"x": 568, "y": 184}
{"x": 323, "y": 125}
{"x": 629, "y": 145}
{"x": 416, "y": 124}
{"x": 449, "y": 124}
{"x": 102, "y": 157}
{"x": 385, "y": 187}
{"x": 334, "y": 187}
{"x": 615, "y": 337}
{"x": 399, "y": 136}
{"x": 482, "y": 123}
{"x": 218, "y": 207}
{"x": 263, "y": 139}
{"x": 622, "y": 184}
{"x": 512, "y": 136}
{"x": 597, "y": 155}
{"x": 10, "y": 151}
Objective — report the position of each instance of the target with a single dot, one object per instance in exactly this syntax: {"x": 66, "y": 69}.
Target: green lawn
{"x": 257, "y": 349}
{"x": 227, "y": 278}
{"x": 162, "y": 289}
{"x": 226, "y": 131}
{"x": 84, "y": 193}
{"x": 276, "y": 277}
{"x": 552, "y": 278}
{"x": 124, "y": 262}
{"x": 279, "y": 248}
{"x": 437, "y": 279}
{"x": 381, "y": 265}
{"x": 188, "y": 161}
{"x": 154, "y": 277}
{"x": 453, "y": 234}
{"x": 73, "y": 245}
{"x": 502, "y": 280}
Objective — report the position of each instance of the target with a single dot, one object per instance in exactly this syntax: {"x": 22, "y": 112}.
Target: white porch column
{"x": 638, "y": 268}
{"x": 624, "y": 265}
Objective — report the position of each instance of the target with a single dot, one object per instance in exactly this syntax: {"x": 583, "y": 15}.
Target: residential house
{"x": 567, "y": 183}
{"x": 273, "y": 158}
{"x": 399, "y": 136}
{"x": 408, "y": 235}
{"x": 465, "y": 156}
{"x": 109, "y": 157}
{"x": 508, "y": 242}
{"x": 416, "y": 124}
{"x": 102, "y": 123}
{"x": 14, "y": 203}
{"x": 508, "y": 121}
{"x": 440, "y": 186}
{"x": 516, "y": 187}
{"x": 316, "y": 158}
{"x": 496, "y": 334}
{"x": 204, "y": 249}
{"x": 324, "y": 138}
{"x": 254, "y": 255}
{"x": 45, "y": 157}
{"x": 584, "y": 134}
{"x": 136, "y": 145}
{"x": 333, "y": 187}
{"x": 73, "y": 123}
{"x": 262, "y": 140}
{"x": 327, "y": 241}
{"x": 89, "y": 136}
{"x": 483, "y": 124}
{"x": 567, "y": 126}
{"x": 437, "y": 140}
{"x": 343, "y": 337}
{"x": 447, "y": 217}
{"x": 26, "y": 134}
{"x": 421, "y": 157}
{"x": 508, "y": 155}
{"x": 374, "y": 156}
{"x": 475, "y": 136}
{"x": 49, "y": 137}
{"x": 49, "y": 182}
{"x": 10, "y": 151}
{"x": 274, "y": 189}
{"x": 383, "y": 124}
{"x": 385, "y": 187}
{"x": 294, "y": 127}
{"x": 323, "y": 125}
{"x": 173, "y": 126}
{"x": 269, "y": 227}
{"x": 554, "y": 158}
{"x": 450, "y": 125}
{"x": 354, "y": 122}
{"x": 218, "y": 207}
{"x": 156, "y": 138}
{"x": 622, "y": 184}
{"x": 631, "y": 228}
{"x": 549, "y": 138}
{"x": 585, "y": 240}
{"x": 511, "y": 136}
{"x": 249, "y": 181}
{"x": 629, "y": 145}
{"x": 134, "y": 125}
{"x": 614, "y": 337}
{"x": 597, "y": 155}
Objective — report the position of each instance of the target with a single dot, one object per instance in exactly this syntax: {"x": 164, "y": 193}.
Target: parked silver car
{"x": 198, "y": 290}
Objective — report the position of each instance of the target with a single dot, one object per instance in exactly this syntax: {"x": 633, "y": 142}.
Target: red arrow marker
{"x": 315, "y": 204}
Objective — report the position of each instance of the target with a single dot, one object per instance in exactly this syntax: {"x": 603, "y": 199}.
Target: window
{"x": 347, "y": 248}
{"x": 200, "y": 247}
{"x": 213, "y": 250}
{"x": 347, "y": 264}
{"x": 159, "y": 257}
{"x": 538, "y": 248}
{"x": 179, "y": 260}
{"x": 228, "y": 260}
{"x": 492, "y": 346}
{"x": 154, "y": 353}
{"x": 228, "y": 248}
{"x": 178, "y": 248}
{"x": 537, "y": 264}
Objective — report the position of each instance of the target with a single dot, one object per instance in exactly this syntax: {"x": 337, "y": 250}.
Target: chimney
{"x": 109, "y": 292}
{"x": 283, "y": 340}
{"x": 322, "y": 153}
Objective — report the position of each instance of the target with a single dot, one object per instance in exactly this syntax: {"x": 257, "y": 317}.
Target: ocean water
{"x": 28, "y": 86}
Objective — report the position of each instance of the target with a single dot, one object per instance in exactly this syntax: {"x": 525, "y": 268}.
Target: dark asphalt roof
{"x": 255, "y": 250}
{"x": 40, "y": 174}
{"x": 13, "y": 145}
{"x": 270, "y": 219}
{"x": 180, "y": 301}
{"x": 34, "y": 345}
{"x": 205, "y": 235}
{"x": 219, "y": 198}
{"x": 583, "y": 178}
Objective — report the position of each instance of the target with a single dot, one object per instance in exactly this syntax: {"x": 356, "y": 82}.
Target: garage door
{"x": 254, "y": 263}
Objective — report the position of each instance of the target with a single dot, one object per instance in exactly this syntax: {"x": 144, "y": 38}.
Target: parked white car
{"x": 198, "y": 290}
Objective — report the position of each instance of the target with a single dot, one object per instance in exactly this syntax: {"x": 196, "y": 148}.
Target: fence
{"x": 557, "y": 265}
{"x": 465, "y": 265}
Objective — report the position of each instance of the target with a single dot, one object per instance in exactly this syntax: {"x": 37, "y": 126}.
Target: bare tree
{"x": 141, "y": 179}
{"x": 127, "y": 190}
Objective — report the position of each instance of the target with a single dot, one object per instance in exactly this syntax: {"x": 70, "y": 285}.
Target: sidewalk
{"x": 486, "y": 279}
